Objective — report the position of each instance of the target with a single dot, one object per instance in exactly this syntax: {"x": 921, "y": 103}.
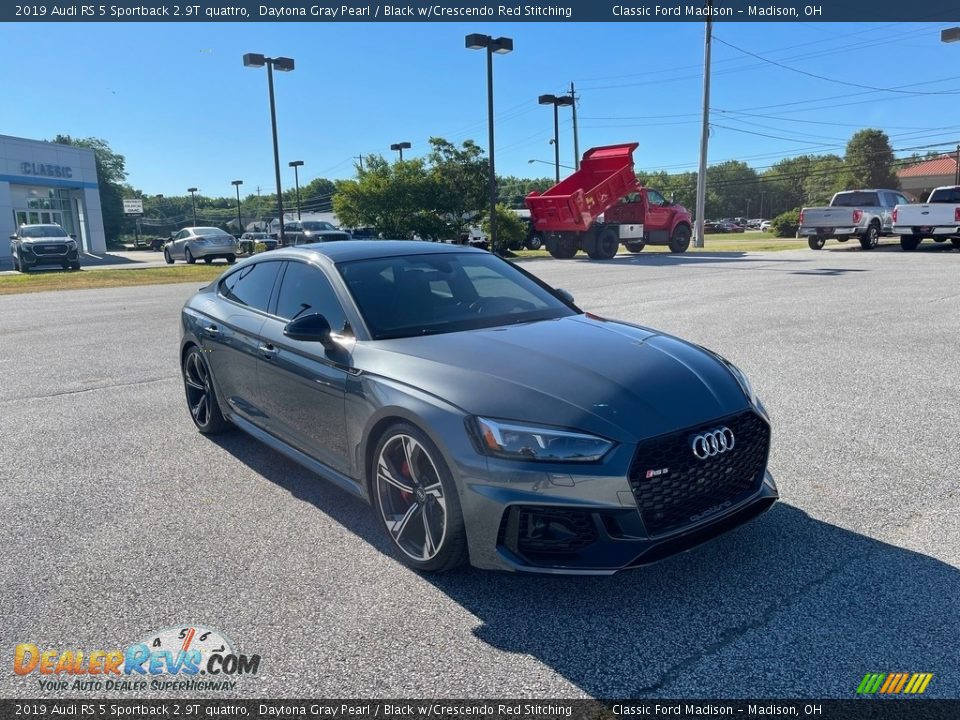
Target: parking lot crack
{"x": 80, "y": 391}
{"x": 732, "y": 635}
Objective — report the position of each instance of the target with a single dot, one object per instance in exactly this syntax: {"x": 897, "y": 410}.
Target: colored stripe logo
{"x": 894, "y": 683}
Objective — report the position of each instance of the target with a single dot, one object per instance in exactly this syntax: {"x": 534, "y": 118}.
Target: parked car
{"x": 37, "y": 245}
{"x": 712, "y": 226}
{"x": 865, "y": 214}
{"x": 731, "y": 227}
{"x": 201, "y": 243}
{"x": 249, "y": 240}
{"x": 373, "y": 369}
{"x": 766, "y": 225}
{"x": 157, "y": 243}
{"x": 301, "y": 232}
{"x": 938, "y": 218}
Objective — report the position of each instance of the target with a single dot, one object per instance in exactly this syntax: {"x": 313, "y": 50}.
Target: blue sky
{"x": 176, "y": 100}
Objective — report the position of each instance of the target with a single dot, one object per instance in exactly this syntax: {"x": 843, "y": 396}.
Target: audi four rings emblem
{"x": 712, "y": 443}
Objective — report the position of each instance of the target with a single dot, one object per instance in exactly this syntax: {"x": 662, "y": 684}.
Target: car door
{"x": 179, "y": 243}
{"x": 231, "y": 335}
{"x": 658, "y": 212}
{"x": 303, "y": 384}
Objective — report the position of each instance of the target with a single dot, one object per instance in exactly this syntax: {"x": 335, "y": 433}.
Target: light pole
{"x": 704, "y": 132}
{"x": 237, "y": 184}
{"x": 296, "y": 164}
{"x": 400, "y": 146}
{"x": 556, "y": 101}
{"x": 952, "y": 35}
{"x": 283, "y": 64}
{"x": 500, "y": 46}
{"x": 547, "y": 162}
{"x": 193, "y": 201}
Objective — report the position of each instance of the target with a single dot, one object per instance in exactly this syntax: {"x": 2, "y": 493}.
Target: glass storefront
{"x": 48, "y": 205}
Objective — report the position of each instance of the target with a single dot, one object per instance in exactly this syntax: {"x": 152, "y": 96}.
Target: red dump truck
{"x": 602, "y": 205}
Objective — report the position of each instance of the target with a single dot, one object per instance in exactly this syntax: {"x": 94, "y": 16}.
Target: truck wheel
{"x": 940, "y": 239}
{"x": 956, "y": 242}
{"x": 815, "y": 242}
{"x": 534, "y": 242}
{"x": 871, "y": 238}
{"x": 563, "y": 248}
{"x": 606, "y": 245}
{"x": 680, "y": 240}
{"x": 635, "y": 247}
{"x": 909, "y": 243}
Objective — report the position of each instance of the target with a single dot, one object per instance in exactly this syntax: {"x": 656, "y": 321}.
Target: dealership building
{"x": 44, "y": 182}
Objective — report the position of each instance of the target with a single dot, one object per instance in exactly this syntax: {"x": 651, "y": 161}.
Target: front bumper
{"x": 602, "y": 518}
{"x": 50, "y": 254}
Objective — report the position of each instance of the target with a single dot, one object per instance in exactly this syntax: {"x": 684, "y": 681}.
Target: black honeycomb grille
{"x": 691, "y": 486}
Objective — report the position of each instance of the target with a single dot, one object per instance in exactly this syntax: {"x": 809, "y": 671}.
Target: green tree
{"x": 461, "y": 176}
{"x": 869, "y": 161}
{"x": 732, "y": 189}
{"x": 827, "y": 175}
{"x": 111, "y": 175}
{"x": 511, "y": 230}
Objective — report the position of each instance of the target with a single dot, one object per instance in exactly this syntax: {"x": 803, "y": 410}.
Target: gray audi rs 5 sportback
{"x": 484, "y": 416}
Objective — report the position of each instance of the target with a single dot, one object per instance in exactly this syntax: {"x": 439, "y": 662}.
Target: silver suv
{"x": 35, "y": 245}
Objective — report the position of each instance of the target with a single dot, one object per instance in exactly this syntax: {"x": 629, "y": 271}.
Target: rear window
{"x": 856, "y": 199}
{"x": 945, "y": 195}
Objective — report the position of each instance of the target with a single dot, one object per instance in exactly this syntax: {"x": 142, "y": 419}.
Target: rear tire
{"x": 201, "y": 396}
{"x": 680, "y": 240}
{"x": 189, "y": 256}
{"x": 563, "y": 248}
{"x": 231, "y": 259}
{"x": 534, "y": 242}
{"x": 416, "y": 501}
{"x": 635, "y": 247}
{"x": 871, "y": 238}
{"x": 606, "y": 245}
{"x": 909, "y": 243}
{"x": 166, "y": 256}
{"x": 955, "y": 242}
{"x": 816, "y": 243}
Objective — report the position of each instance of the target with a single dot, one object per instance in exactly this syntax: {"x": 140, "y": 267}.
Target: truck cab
{"x": 657, "y": 217}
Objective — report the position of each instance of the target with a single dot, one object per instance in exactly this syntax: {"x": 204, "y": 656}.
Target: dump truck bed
{"x": 605, "y": 176}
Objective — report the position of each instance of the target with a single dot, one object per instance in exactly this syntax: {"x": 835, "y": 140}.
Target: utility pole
{"x": 704, "y": 131}
{"x": 359, "y": 159}
{"x": 576, "y": 136}
{"x": 957, "y": 179}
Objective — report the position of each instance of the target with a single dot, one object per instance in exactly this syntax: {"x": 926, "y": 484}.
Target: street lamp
{"x": 500, "y": 46}
{"x": 193, "y": 201}
{"x": 283, "y": 64}
{"x": 237, "y": 184}
{"x": 295, "y": 164}
{"x": 556, "y": 101}
{"x": 548, "y": 162}
{"x": 401, "y": 146}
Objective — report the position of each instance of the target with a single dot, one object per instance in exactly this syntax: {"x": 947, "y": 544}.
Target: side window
{"x": 901, "y": 200}
{"x": 890, "y": 199}
{"x": 306, "y": 290}
{"x": 655, "y": 198}
{"x": 251, "y": 285}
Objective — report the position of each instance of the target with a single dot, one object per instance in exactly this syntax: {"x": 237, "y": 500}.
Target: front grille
{"x": 682, "y": 487}
{"x": 49, "y": 249}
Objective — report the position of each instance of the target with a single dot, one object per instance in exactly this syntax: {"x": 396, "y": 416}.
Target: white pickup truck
{"x": 938, "y": 218}
{"x": 865, "y": 214}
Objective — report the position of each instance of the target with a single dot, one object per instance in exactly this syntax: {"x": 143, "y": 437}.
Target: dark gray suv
{"x": 35, "y": 245}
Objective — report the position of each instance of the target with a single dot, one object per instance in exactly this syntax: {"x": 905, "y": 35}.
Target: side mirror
{"x": 13, "y": 237}
{"x": 310, "y": 328}
{"x": 73, "y": 235}
{"x": 563, "y": 295}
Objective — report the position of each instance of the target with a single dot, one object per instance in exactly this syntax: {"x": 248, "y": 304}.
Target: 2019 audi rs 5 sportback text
{"x": 484, "y": 416}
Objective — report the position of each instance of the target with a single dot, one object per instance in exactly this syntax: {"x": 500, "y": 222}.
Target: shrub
{"x": 786, "y": 224}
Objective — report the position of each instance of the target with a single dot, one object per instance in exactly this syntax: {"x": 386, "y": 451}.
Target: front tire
{"x": 815, "y": 242}
{"x": 955, "y": 242}
{"x": 75, "y": 266}
{"x": 417, "y": 501}
{"x": 208, "y": 260}
{"x": 189, "y": 256}
{"x": 680, "y": 240}
{"x": 231, "y": 259}
{"x": 167, "y": 257}
{"x": 871, "y": 238}
{"x": 909, "y": 243}
{"x": 201, "y": 396}
{"x": 606, "y": 245}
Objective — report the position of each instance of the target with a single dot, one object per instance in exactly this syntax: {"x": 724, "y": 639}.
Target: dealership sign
{"x": 133, "y": 206}
{"x": 46, "y": 170}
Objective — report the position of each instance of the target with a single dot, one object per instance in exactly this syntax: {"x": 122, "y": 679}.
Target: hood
{"x": 605, "y": 377}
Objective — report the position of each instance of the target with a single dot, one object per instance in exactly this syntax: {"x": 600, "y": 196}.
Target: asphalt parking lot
{"x": 122, "y": 519}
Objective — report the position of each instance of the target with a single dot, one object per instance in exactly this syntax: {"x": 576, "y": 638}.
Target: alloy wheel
{"x": 196, "y": 378}
{"x": 411, "y": 498}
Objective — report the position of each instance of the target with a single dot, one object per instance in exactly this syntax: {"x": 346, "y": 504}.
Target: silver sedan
{"x": 201, "y": 243}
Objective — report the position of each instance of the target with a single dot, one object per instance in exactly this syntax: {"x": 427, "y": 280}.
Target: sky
{"x": 176, "y": 101}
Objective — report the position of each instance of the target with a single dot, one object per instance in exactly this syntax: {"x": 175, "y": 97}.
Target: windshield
{"x": 413, "y": 295}
{"x": 856, "y": 199}
{"x": 945, "y": 195}
{"x": 317, "y": 225}
{"x": 43, "y": 231}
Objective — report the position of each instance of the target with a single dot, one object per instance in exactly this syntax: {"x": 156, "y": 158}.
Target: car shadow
{"x": 889, "y": 245}
{"x": 786, "y": 606}
{"x": 705, "y": 259}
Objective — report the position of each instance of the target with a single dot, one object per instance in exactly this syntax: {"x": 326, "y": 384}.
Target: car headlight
{"x": 517, "y": 441}
{"x": 72, "y": 244}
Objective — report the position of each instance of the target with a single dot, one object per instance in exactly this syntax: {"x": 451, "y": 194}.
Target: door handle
{"x": 212, "y": 330}
{"x": 268, "y": 350}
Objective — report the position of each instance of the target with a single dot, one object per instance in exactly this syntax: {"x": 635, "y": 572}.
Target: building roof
{"x": 943, "y": 165}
